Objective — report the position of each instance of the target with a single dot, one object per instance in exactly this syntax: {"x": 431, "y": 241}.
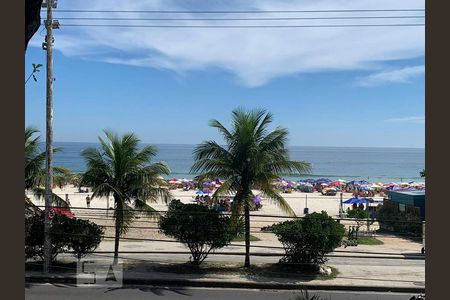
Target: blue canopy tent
{"x": 355, "y": 201}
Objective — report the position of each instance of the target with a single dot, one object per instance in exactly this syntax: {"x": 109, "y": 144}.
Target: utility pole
{"x": 48, "y": 45}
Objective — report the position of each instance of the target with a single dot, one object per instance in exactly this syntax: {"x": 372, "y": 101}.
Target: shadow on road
{"x": 158, "y": 291}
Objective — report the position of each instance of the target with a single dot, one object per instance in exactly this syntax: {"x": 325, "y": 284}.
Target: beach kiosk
{"x": 413, "y": 200}
{"x": 409, "y": 199}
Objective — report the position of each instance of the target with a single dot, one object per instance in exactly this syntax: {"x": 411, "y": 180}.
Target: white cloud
{"x": 413, "y": 120}
{"x": 403, "y": 75}
{"x": 255, "y": 56}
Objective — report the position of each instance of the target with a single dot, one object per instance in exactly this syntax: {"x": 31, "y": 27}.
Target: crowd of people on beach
{"x": 224, "y": 203}
{"x": 360, "y": 188}
{"x": 214, "y": 203}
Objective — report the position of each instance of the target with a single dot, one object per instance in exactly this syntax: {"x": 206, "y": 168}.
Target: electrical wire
{"x": 241, "y": 19}
{"x": 244, "y": 26}
{"x": 238, "y": 11}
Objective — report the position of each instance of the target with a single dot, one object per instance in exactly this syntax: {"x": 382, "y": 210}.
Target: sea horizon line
{"x": 298, "y": 146}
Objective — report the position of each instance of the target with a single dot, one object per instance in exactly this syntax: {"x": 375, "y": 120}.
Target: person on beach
{"x": 88, "y": 201}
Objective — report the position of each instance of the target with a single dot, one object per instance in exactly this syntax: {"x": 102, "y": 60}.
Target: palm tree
{"x": 121, "y": 169}
{"x": 35, "y": 168}
{"x": 252, "y": 158}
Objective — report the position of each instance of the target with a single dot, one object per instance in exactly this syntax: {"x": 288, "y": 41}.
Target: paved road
{"x": 50, "y": 292}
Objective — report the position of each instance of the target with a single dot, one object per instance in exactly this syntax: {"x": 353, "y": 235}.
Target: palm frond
{"x": 269, "y": 192}
{"x": 225, "y": 133}
{"x": 39, "y": 192}
{"x": 146, "y": 209}
{"x": 124, "y": 216}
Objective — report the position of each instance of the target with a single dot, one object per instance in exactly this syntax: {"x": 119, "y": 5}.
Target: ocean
{"x": 348, "y": 163}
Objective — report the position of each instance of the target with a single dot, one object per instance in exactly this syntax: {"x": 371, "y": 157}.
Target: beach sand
{"x": 145, "y": 228}
{"x": 297, "y": 200}
{"x": 315, "y": 201}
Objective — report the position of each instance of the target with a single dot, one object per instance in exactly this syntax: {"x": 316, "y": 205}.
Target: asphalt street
{"x": 49, "y": 292}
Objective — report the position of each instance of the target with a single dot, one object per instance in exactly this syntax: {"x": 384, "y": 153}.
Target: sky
{"x": 351, "y": 86}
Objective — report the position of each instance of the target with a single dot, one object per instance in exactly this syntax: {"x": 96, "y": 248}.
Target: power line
{"x": 93, "y": 211}
{"x": 241, "y": 19}
{"x": 244, "y": 26}
{"x": 418, "y": 256}
{"x": 239, "y": 11}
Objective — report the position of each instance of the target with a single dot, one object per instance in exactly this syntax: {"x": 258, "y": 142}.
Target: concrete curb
{"x": 232, "y": 284}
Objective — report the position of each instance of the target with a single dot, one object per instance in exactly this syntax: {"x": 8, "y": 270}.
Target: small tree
{"x": 307, "y": 240}
{"x": 360, "y": 215}
{"x": 201, "y": 229}
{"x": 85, "y": 236}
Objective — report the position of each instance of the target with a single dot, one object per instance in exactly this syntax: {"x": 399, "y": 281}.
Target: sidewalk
{"x": 351, "y": 278}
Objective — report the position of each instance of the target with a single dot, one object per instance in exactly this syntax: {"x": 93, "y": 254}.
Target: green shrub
{"x": 307, "y": 240}
{"x": 81, "y": 236}
{"x": 85, "y": 236}
{"x": 201, "y": 229}
{"x": 34, "y": 236}
{"x": 401, "y": 222}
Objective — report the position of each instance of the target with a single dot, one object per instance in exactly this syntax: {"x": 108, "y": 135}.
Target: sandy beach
{"x": 316, "y": 202}
{"x": 146, "y": 228}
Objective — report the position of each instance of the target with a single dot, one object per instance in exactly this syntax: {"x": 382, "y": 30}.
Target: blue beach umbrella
{"x": 365, "y": 188}
{"x": 364, "y": 182}
{"x": 309, "y": 180}
{"x": 323, "y": 180}
{"x": 199, "y": 193}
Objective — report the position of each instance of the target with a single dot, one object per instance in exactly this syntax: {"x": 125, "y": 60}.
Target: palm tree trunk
{"x": 247, "y": 235}
{"x": 118, "y": 223}
{"x": 116, "y": 244}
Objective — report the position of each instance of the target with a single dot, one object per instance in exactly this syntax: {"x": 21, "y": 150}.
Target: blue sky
{"x": 330, "y": 87}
